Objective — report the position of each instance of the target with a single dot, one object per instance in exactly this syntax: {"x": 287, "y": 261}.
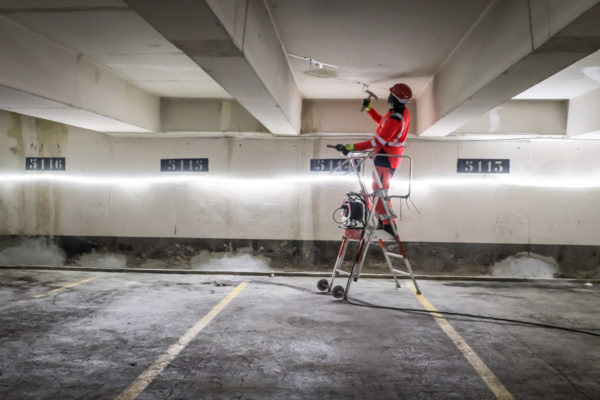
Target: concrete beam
{"x": 584, "y": 118}
{"x": 236, "y": 43}
{"x": 514, "y": 45}
{"x": 538, "y": 117}
{"x": 206, "y": 115}
{"x": 344, "y": 116}
{"x": 41, "y": 78}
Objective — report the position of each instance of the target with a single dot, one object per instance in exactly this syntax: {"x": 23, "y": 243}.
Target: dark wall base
{"x": 425, "y": 258}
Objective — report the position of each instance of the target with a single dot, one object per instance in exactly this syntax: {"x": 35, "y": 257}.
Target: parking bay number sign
{"x": 184, "y": 164}
{"x": 483, "y": 166}
{"x": 45, "y": 163}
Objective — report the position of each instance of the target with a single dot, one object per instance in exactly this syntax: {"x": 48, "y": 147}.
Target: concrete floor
{"x": 281, "y": 339}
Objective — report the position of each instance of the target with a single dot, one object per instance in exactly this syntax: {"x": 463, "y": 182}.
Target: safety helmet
{"x": 401, "y": 92}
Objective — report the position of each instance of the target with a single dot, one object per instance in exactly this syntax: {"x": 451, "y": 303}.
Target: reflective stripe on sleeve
{"x": 380, "y": 140}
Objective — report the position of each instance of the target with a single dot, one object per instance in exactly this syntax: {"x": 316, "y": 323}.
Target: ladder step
{"x": 401, "y": 272}
{"x": 344, "y": 273}
{"x": 394, "y": 255}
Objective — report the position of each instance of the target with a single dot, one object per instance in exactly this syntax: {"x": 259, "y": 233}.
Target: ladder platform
{"x": 360, "y": 221}
{"x": 354, "y": 234}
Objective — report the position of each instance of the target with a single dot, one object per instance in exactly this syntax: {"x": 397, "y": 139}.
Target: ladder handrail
{"x": 370, "y": 155}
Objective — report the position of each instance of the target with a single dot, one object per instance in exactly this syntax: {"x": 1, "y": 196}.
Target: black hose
{"x": 472, "y": 317}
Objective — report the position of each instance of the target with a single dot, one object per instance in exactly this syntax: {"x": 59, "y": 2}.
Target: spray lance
{"x": 339, "y": 147}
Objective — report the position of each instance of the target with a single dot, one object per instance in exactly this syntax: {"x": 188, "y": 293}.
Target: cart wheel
{"x": 338, "y": 292}
{"x": 323, "y": 285}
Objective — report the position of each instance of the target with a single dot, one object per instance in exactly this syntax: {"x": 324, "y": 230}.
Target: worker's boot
{"x": 389, "y": 229}
{"x": 386, "y": 227}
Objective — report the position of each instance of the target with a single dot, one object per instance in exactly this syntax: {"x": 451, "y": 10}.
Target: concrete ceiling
{"x": 112, "y": 35}
{"x": 456, "y": 57}
{"x": 377, "y": 43}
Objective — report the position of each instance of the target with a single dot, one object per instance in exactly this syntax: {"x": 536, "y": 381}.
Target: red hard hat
{"x": 401, "y": 91}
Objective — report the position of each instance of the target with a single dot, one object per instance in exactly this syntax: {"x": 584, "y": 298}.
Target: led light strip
{"x": 564, "y": 182}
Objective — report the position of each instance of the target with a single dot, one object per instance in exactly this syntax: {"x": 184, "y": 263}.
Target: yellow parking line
{"x": 60, "y": 289}
{"x": 70, "y": 285}
{"x": 484, "y": 372}
{"x": 146, "y": 377}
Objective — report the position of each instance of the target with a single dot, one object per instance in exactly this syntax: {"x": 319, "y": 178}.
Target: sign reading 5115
{"x": 184, "y": 164}
{"x": 483, "y": 166}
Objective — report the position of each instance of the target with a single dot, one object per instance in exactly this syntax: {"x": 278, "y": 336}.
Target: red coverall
{"x": 389, "y": 139}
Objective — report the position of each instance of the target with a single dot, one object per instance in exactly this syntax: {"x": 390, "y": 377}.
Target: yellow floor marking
{"x": 146, "y": 377}
{"x": 484, "y": 372}
{"x": 70, "y": 285}
{"x": 37, "y": 296}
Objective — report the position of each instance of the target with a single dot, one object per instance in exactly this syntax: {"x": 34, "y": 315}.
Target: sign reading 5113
{"x": 45, "y": 163}
{"x": 184, "y": 164}
{"x": 483, "y": 166}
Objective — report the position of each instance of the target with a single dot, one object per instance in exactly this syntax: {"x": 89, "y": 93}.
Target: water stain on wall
{"x": 11, "y": 214}
{"x": 228, "y": 217}
{"x": 49, "y": 140}
{"x": 229, "y": 143}
{"x": 15, "y": 132}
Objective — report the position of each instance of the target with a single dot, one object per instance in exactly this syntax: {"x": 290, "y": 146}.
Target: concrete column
{"x": 584, "y": 114}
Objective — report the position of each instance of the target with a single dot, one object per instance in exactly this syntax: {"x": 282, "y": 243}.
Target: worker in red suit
{"x": 389, "y": 139}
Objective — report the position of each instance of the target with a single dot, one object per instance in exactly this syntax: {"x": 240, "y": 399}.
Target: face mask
{"x": 391, "y": 101}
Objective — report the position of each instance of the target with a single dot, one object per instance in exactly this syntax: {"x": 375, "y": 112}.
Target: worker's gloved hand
{"x": 344, "y": 148}
{"x": 366, "y": 104}
{"x": 340, "y": 147}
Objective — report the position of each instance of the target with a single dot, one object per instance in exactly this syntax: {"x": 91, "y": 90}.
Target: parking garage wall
{"x": 264, "y": 189}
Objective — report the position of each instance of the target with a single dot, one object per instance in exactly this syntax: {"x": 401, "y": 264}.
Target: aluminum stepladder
{"x": 358, "y": 162}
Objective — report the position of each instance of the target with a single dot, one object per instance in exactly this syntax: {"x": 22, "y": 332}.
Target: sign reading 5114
{"x": 184, "y": 164}
{"x": 483, "y": 166}
{"x": 329, "y": 164}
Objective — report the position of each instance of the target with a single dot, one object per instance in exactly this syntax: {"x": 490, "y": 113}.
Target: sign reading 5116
{"x": 45, "y": 163}
{"x": 184, "y": 164}
{"x": 483, "y": 166}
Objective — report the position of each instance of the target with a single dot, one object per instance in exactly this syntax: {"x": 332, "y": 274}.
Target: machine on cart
{"x": 360, "y": 223}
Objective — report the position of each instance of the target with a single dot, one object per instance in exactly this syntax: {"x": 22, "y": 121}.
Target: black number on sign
{"x": 184, "y": 164}
{"x": 329, "y": 164}
{"x": 45, "y": 163}
{"x": 483, "y": 166}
